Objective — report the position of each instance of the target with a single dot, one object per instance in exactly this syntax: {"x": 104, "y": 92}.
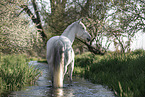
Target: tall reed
{"x": 15, "y": 72}
{"x": 123, "y": 73}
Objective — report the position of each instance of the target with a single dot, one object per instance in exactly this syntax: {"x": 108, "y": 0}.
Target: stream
{"x": 80, "y": 87}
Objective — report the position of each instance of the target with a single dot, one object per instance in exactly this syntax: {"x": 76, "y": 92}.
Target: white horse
{"x": 60, "y": 54}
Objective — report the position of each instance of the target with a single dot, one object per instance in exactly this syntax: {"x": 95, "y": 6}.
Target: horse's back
{"x": 52, "y": 44}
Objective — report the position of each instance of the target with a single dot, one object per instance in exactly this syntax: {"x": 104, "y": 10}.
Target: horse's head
{"x": 82, "y": 32}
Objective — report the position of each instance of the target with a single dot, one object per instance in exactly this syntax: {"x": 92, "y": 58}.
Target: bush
{"x": 17, "y": 34}
{"x": 138, "y": 52}
{"x": 122, "y": 73}
{"x": 15, "y": 72}
{"x": 84, "y": 60}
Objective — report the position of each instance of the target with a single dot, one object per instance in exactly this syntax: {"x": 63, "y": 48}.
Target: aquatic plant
{"x": 123, "y": 73}
{"x": 15, "y": 72}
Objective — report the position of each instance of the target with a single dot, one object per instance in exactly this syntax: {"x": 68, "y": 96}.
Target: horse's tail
{"x": 58, "y": 64}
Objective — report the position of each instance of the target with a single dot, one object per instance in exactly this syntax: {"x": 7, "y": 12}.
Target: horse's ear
{"x": 79, "y": 20}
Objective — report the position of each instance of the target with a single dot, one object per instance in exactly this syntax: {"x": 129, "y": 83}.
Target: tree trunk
{"x": 36, "y": 20}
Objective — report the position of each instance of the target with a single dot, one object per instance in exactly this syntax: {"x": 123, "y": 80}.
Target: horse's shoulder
{"x": 60, "y": 39}
{"x": 65, "y": 40}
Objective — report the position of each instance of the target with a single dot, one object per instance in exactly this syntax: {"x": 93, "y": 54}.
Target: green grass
{"x": 124, "y": 74}
{"x": 15, "y": 72}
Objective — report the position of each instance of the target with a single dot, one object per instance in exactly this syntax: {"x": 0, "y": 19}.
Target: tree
{"x": 123, "y": 22}
{"x": 126, "y": 19}
{"x": 59, "y": 17}
{"x": 16, "y": 35}
{"x": 95, "y": 21}
{"x": 35, "y": 18}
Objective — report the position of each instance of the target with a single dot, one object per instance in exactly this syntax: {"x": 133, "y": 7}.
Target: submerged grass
{"x": 15, "y": 73}
{"x": 124, "y": 73}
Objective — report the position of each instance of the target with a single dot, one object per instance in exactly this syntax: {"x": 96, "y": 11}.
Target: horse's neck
{"x": 70, "y": 34}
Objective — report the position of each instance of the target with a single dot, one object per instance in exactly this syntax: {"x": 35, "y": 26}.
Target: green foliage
{"x": 87, "y": 59}
{"x": 17, "y": 34}
{"x": 138, "y": 52}
{"x": 15, "y": 72}
{"x": 122, "y": 73}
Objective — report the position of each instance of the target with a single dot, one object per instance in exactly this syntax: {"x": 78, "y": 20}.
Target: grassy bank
{"x": 124, "y": 74}
{"x": 15, "y": 73}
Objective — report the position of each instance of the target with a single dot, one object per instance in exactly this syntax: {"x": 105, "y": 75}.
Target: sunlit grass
{"x": 15, "y": 72}
{"x": 123, "y": 73}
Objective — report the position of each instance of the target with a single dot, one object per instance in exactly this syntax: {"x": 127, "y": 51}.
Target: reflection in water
{"x": 81, "y": 87}
{"x": 57, "y": 92}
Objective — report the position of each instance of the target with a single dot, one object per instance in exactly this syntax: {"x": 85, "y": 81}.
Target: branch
{"x": 36, "y": 11}
{"x": 20, "y": 13}
{"x": 28, "y": 11}
{"x": 85, "y": 8}
{"x": 91, "y": 48}
{"x": 141, "y": 17}
{"x": 36, "y": 21}
{"x": 122, "y": 46}
{"x": 63, "y": 3}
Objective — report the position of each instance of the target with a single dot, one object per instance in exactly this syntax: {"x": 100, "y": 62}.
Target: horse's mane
{"x": 69, "y": 27}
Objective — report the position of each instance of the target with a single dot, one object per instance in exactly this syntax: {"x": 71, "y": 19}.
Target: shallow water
{"x": 80, "y": 87}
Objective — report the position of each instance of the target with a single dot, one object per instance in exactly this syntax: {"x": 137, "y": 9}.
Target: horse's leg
{"x": 50, "y": 63}
{"x": 65, "y": 70}
{"x": 70, "y": 71}
{"x": 51, "y": 70}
